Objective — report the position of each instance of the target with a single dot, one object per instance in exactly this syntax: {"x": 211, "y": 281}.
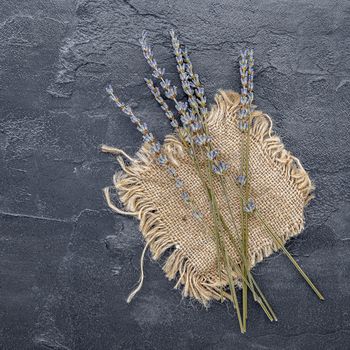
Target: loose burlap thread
{"x": 279, "y": 184}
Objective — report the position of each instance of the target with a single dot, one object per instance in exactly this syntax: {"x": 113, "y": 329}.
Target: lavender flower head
{"x": 246, "y": 69}
{"x": 250, "y": 206}
{"x": 156, "y": 93}
{"x": 124, "y": 108}
{"x": 213, "y": 154}
{"x": 220, "y": 168}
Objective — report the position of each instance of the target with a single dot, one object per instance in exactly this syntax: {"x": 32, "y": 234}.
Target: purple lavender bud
{"x": 202, "y": 139}
{"x": 243, "y": 113}
{"x": 148, "y": 137}
{"x": 242, "y": 71}
{"x": 174, "y": 124}
{"x": 179, "y": 183}
{"x": 213, "y": 154}
{"x": 250, "y": 86}
{"x": 109, "y": 89}
{"x": 171, "y": 92}
{"x": 185, "y": 196}
{"x": 189, "y": 66}
{"x": 179, "y": 59}
{"x": 169, "y": 114}
{"x": 162, "y": 159}
{"x": 220, "y": 168}
{"x": 181, "y": 107}
{"x": 149, "y": 83}
{"x": 200, "y": 91}
{"x": 183, "y": 76}
{"x": 251, "y": 97}
{"x": 244, "y": 81}
{"x": 250, "y": 206}
{"x": 165, "y": 84}
{"x": 163, "y": 105}
{"x": 192, "y": 100}
{"x": 143, "y": 128}
{"x": 134, "y": 119}
{"x": 155, "y": 148}
{"x": 196, "y": 127}
{"x": 127, "y": 110}
{"x": 241, "y": 179}
{"x": 186, "y": 119}
{"x": 189, "y": 91}
{"x": 203, "y": 110}
{"x": 244, "y": 100}
{"x": 153, "y": 63}
{"x": 243, "y": 53}
{"x": 243, "y": 63}
{"x": 158, "y": 72}
{"x": 171, "y": 171}
{"x": 197, "y": 215}
{"x": 196, "y": 80}
{"x": 243, "y": 125}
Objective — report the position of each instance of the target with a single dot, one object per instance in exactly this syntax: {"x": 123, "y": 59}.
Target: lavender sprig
{"x": 169, "y": 89}
{"x": 155, "y": 150}
{"x": 197, "y": 101}
{"x": 158, "y": 73}
{"x": 157, "y": 95}
{"x": 148, "y": 137}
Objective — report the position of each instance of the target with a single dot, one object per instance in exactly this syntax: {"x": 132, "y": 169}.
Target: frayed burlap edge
{"x": 128, "y": 184}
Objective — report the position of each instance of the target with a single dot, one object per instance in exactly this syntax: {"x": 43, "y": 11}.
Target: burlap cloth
{"x": 280, "y": 187}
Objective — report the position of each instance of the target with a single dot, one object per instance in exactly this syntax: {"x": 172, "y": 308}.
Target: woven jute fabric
{"x": 279, "y": 185}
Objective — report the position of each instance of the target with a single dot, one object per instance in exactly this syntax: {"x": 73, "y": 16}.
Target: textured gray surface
{"x": 66, "y": 262}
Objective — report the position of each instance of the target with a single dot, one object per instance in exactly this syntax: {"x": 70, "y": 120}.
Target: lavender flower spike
{"x": 124, "y": 108}
{"x": 158, "y": 72}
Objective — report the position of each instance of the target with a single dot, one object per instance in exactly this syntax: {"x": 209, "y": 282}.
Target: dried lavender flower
{"x": 213, "y": 154}
{"x": 196, "y": 126}
{"x": 202, "y": 140}
{"x": 158, "y": 72}
{"x": 179, "y": 183}
{"x": 171, "y": 171}
{"x": 162, "y": 159}
{"x": 188, "y": 119}
{"x": 221, "y": 168}
{"x": 155, "y": 148}
{"x": 243, "y": 125}
{"x": 197, "y": 214}
{"x": 181, "y": 107}
{"x": 247, "y": 75}
{"x": 174, "y": 124}
{"x": 250, "y": 206}
{"x": 143, "y": 128}
{"x": 148, "y": 137}
{"x": 156, "y": 93}
{"x": 241, "y": 180}
{"x": 185, "y": 196}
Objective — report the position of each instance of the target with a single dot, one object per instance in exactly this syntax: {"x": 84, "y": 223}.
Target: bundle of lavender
{"x": 221, "y": 193}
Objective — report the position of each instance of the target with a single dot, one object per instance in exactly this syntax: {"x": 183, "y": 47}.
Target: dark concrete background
{"x": 67, "y": 263}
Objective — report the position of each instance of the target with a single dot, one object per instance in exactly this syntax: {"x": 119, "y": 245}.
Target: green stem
{"x": 243, "y": 258}
{"x": 285, "y": 251}
{"x": 263, "y": 298}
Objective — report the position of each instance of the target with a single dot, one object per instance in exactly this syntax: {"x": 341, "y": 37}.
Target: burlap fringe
{"x": 131, "y": 193}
